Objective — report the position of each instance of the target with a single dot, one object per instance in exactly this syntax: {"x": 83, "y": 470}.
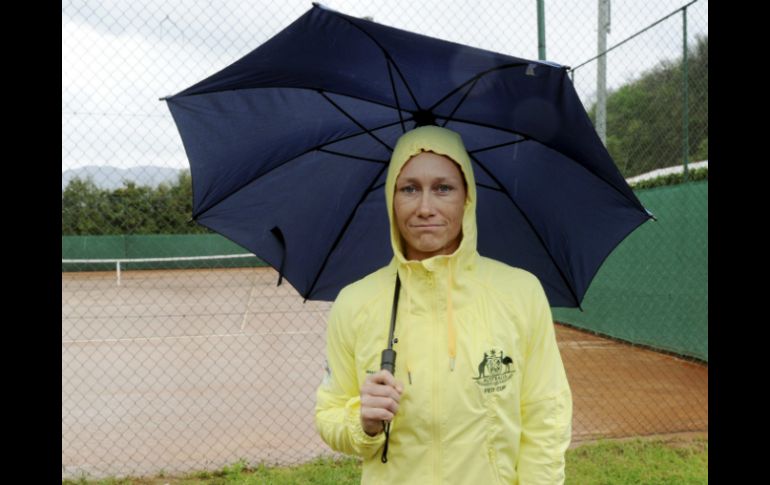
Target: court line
{"x": 174, "y": 337}
{"x": 248, "y": 303}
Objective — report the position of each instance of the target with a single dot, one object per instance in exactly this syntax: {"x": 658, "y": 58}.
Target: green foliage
{"x": 88, "y": 210}
{"x": 645, "y": 118}
{"x": 84, "y": 208}
{"x": 702, "y": 153}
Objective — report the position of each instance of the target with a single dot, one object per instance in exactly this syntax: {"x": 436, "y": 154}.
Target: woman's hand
{"x": 380, "y": 395}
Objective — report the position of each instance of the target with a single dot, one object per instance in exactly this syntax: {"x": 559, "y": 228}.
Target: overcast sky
{"x": 119, "y": 57}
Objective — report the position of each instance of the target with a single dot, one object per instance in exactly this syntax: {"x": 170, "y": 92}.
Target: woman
{"x": 479, "y": 392}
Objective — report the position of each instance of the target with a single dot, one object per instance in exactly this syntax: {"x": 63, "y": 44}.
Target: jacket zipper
{"x": 436, "y": 417}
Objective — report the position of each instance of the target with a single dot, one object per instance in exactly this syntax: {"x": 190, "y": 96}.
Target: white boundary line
{"x": 666, "y": 171}
{"x": 248, "y": 302}
{"x": 118, "y": 261}
{"x": 147, "y": 260}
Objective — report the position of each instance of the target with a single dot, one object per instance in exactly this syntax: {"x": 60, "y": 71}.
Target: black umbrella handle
{"x": 388, "y": 360}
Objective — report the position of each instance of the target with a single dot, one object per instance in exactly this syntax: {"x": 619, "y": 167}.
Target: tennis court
{"x": 186, "y": 370}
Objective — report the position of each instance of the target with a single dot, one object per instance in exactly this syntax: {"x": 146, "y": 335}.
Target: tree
{"x": 645, "y": 117}
{"x": 131, "y": 209}
{"x": 84, "y": 208}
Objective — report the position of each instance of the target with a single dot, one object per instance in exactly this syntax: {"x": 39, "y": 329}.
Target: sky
{"x": 120, "y": 57}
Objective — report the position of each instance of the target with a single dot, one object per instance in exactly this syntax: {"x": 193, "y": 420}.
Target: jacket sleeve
{"x": 546, "y": 402}
{"x": 338, "y": 400}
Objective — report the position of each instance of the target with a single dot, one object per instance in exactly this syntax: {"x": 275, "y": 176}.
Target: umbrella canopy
{"x": 289, "y": 146}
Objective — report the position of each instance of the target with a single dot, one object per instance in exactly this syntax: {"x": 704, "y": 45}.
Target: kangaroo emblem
{"x": 483, "y": 365}
{"x": 495, "y": 370}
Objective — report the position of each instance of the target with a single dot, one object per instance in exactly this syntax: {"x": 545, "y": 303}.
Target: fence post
{"x": 118, "y": 266}
{"x": 541, "y": 30}
{"x": 685, "y": 107}
{"x": 601, "y": 71}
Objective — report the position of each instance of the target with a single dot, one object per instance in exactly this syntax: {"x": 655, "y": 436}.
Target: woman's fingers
{"x": 380, "y": 396}
{"x": 379, "y": 403}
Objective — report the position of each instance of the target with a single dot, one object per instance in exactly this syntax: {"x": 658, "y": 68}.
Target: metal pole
{"x": 601, "y": 70}
{"x": 686, "y": 106}
{"x": 118, "y": 273}
{"x": 541, "y": 30}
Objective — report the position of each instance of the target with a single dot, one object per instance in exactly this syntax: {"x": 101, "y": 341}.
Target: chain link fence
{"x": 173, "y": 363}
{"x": 635, "y": 89}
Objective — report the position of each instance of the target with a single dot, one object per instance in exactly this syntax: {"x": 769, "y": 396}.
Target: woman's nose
{"x": 426, "y": 204}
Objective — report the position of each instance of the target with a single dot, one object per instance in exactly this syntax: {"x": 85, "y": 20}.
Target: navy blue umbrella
{"x": 289, "y": 146}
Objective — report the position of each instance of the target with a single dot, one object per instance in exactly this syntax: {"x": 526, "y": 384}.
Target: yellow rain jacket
{"x": 486, "y": 399}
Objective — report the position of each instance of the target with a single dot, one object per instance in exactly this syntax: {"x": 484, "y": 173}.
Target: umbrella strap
{"x": 389, "y": 359}
{"x": 276, "y": 231}
{"x": 393, "y": 314}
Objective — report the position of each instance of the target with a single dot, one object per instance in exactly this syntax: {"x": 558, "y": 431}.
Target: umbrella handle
{"x": 388, "y": 360}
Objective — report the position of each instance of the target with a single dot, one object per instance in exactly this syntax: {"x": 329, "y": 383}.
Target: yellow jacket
{"x": 486, "y": 399}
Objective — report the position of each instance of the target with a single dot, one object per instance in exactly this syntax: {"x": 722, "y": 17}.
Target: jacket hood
{"x": 442, "y": 142}
{"x": 449, "y": 144}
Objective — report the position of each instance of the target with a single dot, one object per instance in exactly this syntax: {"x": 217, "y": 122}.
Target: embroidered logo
{"x": 495, "y": 370}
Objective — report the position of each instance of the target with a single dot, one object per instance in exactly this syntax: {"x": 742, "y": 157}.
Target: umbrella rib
{"x": 308, "y": 88}
{"x": 474, "y": 79}
{"x": 346, "y": 155}
{"x": 327, "y": 98}
{"x": 539, "y": 237}
{"x": 489, "y": 187}
{"x": 336, "y": 140}
{"x": 448, "y": 118}
{"x": 498, "y": 146}
{"x": 487, "y": 125}
{"x": 364, "y": 195}
{"x": 529, "y": 138}
{"x": 295, "y": 157}
{"x": 395, "y": 96}
{"x": 388, "y": 57}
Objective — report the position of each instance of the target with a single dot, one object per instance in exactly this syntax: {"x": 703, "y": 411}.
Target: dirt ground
{"x": 191, "y": 370}
{"x": 620, "y": 390}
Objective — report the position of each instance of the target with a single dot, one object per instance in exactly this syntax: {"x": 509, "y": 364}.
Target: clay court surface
{"x": 194, "y": 369}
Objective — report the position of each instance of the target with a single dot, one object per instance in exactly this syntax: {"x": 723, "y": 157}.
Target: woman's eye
{"x": 444, "y": 188}
{"x": 409, "y": 189}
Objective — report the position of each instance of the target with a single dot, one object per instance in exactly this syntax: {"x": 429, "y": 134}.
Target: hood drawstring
{"x": 487, "y": 329}
{"x": 451, "y": 335}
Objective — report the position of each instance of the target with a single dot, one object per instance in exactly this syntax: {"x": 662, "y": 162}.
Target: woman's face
{"x": 429, "y": 204}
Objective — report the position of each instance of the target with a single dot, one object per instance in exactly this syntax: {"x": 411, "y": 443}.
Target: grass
{"x": 648, "y": 462}
{"x": 639, "y": 462}
{"x": 321, "y": 471}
